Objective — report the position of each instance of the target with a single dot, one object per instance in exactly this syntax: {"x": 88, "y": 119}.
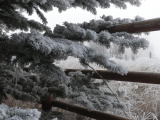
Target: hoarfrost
{"x": 18, "y": 114}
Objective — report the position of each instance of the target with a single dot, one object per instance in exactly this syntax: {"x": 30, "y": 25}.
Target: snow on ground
{"x": 14, "y": 113}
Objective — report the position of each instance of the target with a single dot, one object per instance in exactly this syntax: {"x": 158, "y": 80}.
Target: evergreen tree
{"x": 39, "y": 47}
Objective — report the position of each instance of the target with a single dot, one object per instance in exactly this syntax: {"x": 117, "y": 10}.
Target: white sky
{"x": 148, "y": 10}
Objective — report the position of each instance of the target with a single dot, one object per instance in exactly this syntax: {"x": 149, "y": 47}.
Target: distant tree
{"x": 40, "y": 46}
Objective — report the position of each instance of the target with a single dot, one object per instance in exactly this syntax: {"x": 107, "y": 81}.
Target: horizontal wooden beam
{"x": 141, "y": 77}
{"x": 85, "y": 112}
{"x": 136, "y": 27}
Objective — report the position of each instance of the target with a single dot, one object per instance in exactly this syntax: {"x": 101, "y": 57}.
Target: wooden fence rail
{"x": 136, "y": 27}
{"x": 85, "y": 112}
{"x": 141, "y": 77}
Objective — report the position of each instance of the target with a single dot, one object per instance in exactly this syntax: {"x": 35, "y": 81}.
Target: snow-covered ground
{"x": 15, "y": 113}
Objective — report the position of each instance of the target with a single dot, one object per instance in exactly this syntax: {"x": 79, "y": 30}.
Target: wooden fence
{"x": 141, "y": 77}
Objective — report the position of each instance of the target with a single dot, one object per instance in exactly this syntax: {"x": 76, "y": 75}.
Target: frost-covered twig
{"x": 107, "y": 86}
